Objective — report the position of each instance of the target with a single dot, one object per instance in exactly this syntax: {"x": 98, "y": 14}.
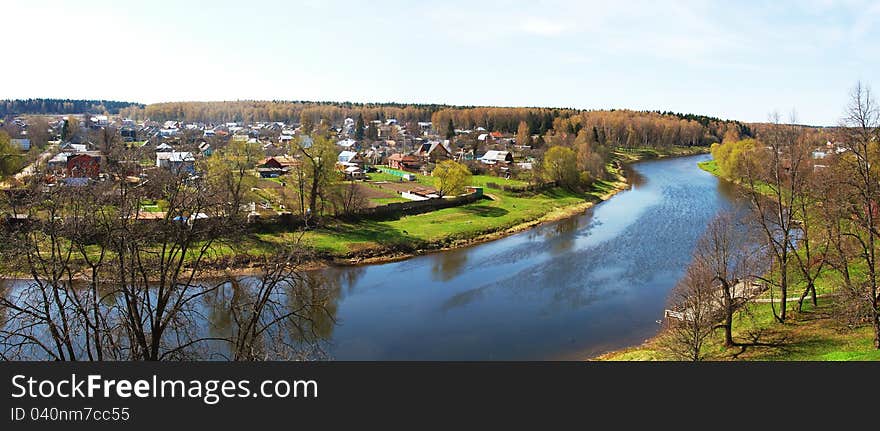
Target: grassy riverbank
{"x": 502, "y": 213}
{"x": 813, "y": 334}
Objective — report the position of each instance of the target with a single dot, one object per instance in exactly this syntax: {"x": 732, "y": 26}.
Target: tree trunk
{"x": 875, "y": 317}
{"x": 728, "y": 315}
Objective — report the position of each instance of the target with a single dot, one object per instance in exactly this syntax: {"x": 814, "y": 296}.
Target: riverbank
{"x": 815, "y": 333}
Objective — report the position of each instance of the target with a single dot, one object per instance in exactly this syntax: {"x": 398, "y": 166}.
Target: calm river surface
{"x": 566, "y": 290}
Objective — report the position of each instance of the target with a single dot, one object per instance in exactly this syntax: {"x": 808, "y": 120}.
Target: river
{"x": 566, "y": 290}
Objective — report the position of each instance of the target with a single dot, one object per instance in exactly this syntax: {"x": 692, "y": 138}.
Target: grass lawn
{"x": 811, "y": 335}
{"x": 440, "y": 226}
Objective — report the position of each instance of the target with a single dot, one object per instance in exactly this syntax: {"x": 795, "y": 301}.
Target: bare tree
{"x": 774, "y": 175}
{"x": 347, "y": 198}
{"x": 104, "y": 283}
{"x": 724, "y": 253}
{"x": 812, "y": 233}
{"x": 861, "y": 200}
{"x": 695, "y": 298}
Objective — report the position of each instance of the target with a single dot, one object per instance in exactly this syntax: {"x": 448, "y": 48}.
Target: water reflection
{"x": 562, "y": 235}
{"x": 315, "y": 307}
{"x": 449, "y": 264}
{"x": 4, "y": 291}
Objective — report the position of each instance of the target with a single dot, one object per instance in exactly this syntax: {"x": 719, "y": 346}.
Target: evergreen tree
{"x": 65, "y": 130}
{"x": 450, "y": 130}
{"x": 359, "y": 128}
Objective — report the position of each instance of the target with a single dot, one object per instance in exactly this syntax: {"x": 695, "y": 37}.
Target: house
{"x": 374, "y": 156}
{"x": 58, "y": 163}
{"x": 351, "y": 164}
{"x": 352, "y": 171}
{"x": 433, "y": 151}
{"x": 404, "y": 162}
{"x": 420, "y": 194}
{"x": 84, "y": 165}
{"x": 176, "y": 161}
{"x": 164, "y": 148}
{"x": 100, "y": 120}
{"x": 493, "y": 157}
{"x": 74, "y": 148}
{"x": 76, "y": 145}
{"x": 347, "y": 143}
{"x": 273, "y": 167}
{"x": 349, "y": 157}
{"x": 129, "y": 134}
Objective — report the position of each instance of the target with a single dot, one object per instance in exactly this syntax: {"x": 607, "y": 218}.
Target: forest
{"x": 62, "y": 106}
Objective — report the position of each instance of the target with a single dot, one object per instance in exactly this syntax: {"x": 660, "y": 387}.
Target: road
{"x": 29, "y": 169}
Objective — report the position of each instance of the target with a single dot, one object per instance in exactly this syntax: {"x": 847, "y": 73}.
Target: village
{"x": 383, "y": 157}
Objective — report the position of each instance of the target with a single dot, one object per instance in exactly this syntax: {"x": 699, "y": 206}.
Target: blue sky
{"x": 739, "y": 60}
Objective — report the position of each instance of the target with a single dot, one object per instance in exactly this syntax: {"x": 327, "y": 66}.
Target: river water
{"x": 566, "y": 290}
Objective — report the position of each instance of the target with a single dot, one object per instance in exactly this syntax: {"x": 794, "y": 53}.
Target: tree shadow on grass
{"x": 485, "y": 211}
{"x": 375, "y": 231}
{"x": 562, "y": 193}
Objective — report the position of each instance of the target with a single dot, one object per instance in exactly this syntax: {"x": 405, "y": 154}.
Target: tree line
{"x": 63, "y": 106}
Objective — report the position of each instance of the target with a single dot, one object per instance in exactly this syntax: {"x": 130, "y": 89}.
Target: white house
{"x": 346, "y": 156}
{"x": 175, "y": 160}
{"x": 494, "y": 157}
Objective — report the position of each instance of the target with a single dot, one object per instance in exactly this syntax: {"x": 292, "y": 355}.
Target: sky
{"x": 736, "y": 60}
